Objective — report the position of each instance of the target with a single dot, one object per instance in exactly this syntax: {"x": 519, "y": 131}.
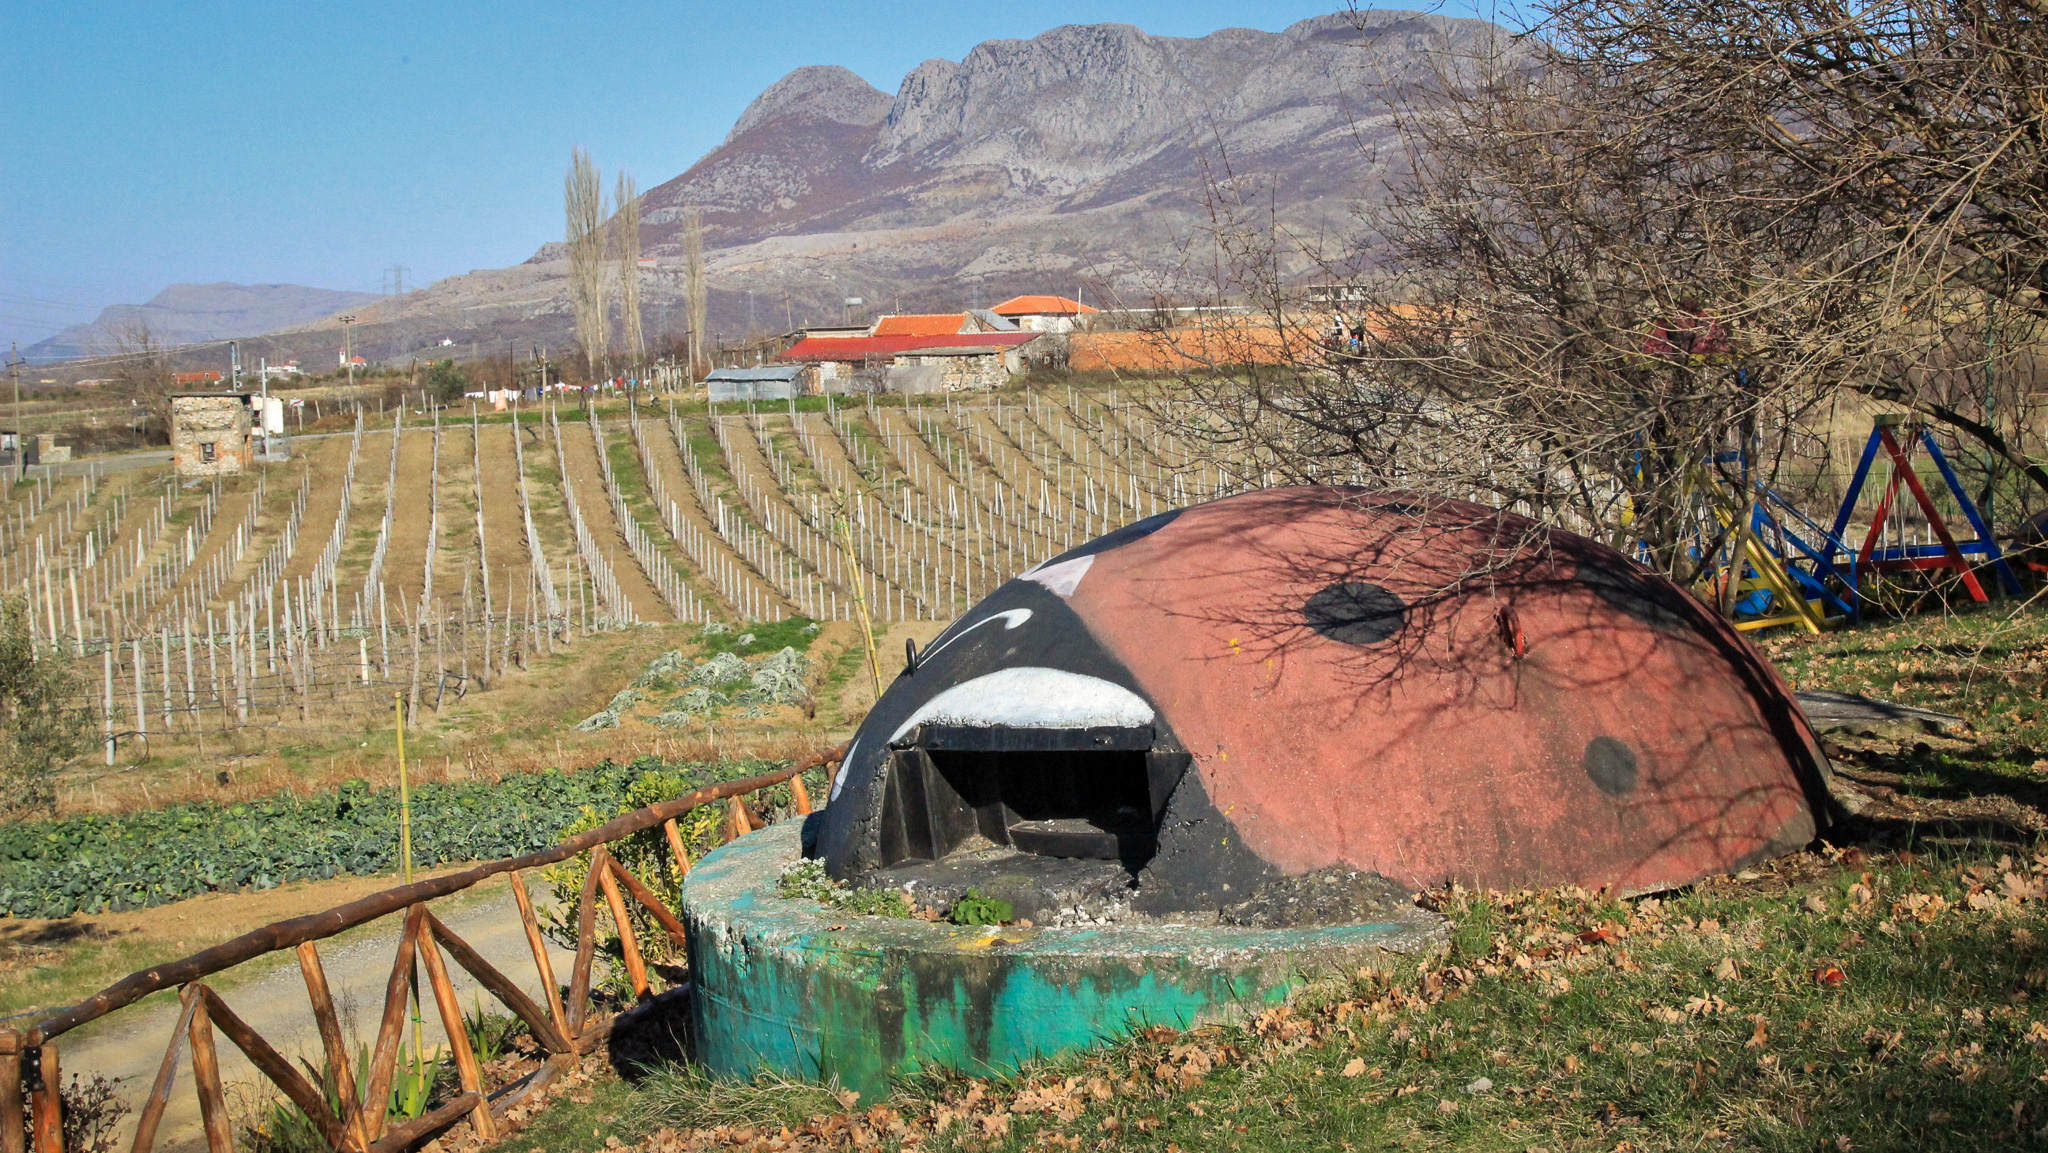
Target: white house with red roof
{"x": 1043, "y": 313}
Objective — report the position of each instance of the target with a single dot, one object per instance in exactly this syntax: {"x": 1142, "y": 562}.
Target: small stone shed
{"x": 974, "y": 368}
{"x": 210, "y": 433}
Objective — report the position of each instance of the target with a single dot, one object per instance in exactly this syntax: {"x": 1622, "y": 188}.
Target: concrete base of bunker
{"x": 791, "y": 987}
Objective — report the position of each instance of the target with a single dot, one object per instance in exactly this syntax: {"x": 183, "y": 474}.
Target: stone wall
{"x": 978, "y": 373}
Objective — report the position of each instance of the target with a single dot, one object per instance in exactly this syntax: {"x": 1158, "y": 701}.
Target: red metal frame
{"x": 1952, "y": 558}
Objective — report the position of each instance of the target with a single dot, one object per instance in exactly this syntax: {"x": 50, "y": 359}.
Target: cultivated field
{"x": 433, "y": 555}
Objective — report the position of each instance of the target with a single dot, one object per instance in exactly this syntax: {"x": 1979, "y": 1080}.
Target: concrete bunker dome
{"x": 1192, "y": 715}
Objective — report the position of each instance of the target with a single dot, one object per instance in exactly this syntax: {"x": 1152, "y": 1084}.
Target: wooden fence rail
{"x": 31, "y": 1107}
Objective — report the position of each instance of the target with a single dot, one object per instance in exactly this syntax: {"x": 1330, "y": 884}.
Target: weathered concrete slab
{"x": 800, "y": 989}
{"x": 1832, "y": 712}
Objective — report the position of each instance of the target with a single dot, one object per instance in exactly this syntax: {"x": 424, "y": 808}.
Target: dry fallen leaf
{"x": 1761, "y": 1036}
{"x": 1356, "y": 1067}
{"x": 1829, "y": 974}
{"x": 1726, "y": 970}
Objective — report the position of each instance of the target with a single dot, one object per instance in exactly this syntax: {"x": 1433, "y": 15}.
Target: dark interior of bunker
{"x": 1068, "y": 825}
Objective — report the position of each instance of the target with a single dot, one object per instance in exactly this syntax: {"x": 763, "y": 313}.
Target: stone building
{"x": 210, "y": 433}
{"x": 969, "y": 369}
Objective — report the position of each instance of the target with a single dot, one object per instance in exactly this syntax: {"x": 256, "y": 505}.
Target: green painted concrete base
{"x": 796, "y": 988}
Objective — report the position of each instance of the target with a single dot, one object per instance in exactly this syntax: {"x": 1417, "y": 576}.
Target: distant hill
{"x": 192, "y": 313}
{"x": 1076, "y": 162}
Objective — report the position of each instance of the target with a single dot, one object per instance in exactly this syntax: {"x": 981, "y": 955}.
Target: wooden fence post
{"x": 213, "y": 1105}
{"x": 458, "y": 1036}
{"x": 339, "y": 1071}
{"x": 160, "y": 1092}
{"x": 13, "y": 1138}
{"x": 46, "y": 1102}
{"x": 636, "y": 967}
{"x": 675, "y": 845}
{"x": 541, "y": 960}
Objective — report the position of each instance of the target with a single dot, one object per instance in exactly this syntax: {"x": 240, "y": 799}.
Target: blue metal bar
{"x": 1988, "y": 546}
{"x": 1855, "y": 489}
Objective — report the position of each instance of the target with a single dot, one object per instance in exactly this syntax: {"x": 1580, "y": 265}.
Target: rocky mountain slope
{"x": 1081, "y": 161}
{"x": 191, "y": 313}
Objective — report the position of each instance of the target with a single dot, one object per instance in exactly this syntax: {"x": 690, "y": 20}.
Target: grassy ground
{"x": 1874, "y": 993}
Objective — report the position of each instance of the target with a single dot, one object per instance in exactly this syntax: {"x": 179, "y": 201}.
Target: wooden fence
{"x": 564, "y": 1027}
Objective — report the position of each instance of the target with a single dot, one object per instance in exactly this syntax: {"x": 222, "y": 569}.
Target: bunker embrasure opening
{"x": 1081, "y": 794}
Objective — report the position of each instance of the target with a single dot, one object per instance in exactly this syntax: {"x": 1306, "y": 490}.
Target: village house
{"x": 930, "y": 352}
{"x": 1050, "y": 314}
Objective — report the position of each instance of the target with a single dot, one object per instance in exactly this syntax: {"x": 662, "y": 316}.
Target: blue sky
{"x": 321, "y": 144}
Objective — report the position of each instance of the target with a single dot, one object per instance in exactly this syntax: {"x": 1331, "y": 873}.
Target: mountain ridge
{"x": 1091, "y": 154}
{"x": 191, "y": 313}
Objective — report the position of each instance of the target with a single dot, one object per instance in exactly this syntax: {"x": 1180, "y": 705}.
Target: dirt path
{"x": 504, "y": 531}
{"x": 322, "y": 507}
{"x": 455, "y": 552}
{"x": 227, "y": 522}
{"x": 269, "y": 994}
{"x": 663, "y": 455}
{"x": 580, "y": 453}
{"x": 411, "y": 517}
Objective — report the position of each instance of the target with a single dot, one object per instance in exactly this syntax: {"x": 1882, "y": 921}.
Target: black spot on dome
{"x": 1355, "y": 613}
{"x": 1611, "y": 765}
{"x": 1398, "y": 508}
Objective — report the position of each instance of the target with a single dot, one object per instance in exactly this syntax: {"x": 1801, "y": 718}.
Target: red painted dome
{"x": 1424, "y": 689}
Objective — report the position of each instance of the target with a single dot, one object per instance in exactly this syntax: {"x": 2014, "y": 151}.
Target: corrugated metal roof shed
{"x": 764, "y": 372}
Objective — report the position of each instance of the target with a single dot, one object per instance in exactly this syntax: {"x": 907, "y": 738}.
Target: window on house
{"x": 206, "y": 452}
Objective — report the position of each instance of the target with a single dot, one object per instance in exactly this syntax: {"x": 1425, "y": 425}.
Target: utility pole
{"x": 14, "y": 363}
{"x": 348, "y": 361}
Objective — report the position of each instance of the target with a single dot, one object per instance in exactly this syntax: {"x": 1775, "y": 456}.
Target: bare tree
{"x": 583, "y": 204}
{"x": 1570, "y": 306}
{"x": 1920, "y": 121}
{"x": 696, "y": 302}
{"x": 626, "y": 241}
{"x": 141, "y": 364}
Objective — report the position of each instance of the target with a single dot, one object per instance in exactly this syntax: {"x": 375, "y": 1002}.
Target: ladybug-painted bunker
{"x": 1218, "y": 749}
{"x": 1308, "y": 679}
